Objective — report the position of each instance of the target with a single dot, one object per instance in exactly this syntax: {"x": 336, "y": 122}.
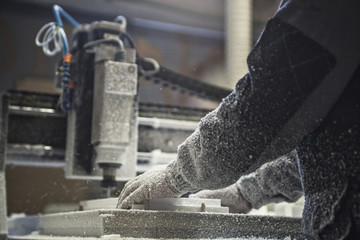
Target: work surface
{"x": 116, "y": 237}
{"x": 123, "y": 224}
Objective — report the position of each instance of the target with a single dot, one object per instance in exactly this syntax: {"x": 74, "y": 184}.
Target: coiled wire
{"x": 53, "y": 39}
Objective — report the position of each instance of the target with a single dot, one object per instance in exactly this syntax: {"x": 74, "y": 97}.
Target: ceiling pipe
{"x": 238, "y": 27}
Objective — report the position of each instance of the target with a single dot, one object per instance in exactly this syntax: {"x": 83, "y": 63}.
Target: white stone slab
{"x": 165, "y": 204}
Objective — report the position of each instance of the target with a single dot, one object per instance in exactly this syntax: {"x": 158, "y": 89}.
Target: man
{"x": 301, "y": 93}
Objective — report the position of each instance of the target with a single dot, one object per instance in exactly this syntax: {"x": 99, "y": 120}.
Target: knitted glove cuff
{"x": 177, "y": 181}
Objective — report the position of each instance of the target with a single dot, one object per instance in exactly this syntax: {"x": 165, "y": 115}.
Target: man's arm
{"x": 273, "y": 182}
{"x": 251, "y": 125}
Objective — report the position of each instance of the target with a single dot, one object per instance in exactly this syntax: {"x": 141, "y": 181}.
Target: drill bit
{"x": 108, "y": 192}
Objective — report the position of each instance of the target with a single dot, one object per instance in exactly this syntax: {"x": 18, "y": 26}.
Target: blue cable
{"x": 58, "y": 10}
{"x": 65, "y": 43}
{"x": 67, "y": 92}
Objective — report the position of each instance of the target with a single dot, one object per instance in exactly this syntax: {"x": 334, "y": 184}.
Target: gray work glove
{"x": 154, "y": 183}
{"x": 230, "y": 197}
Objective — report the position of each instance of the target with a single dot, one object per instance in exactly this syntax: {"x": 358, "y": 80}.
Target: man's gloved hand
{"x": 230, "y": 197}
{"x": 154, "y": 183}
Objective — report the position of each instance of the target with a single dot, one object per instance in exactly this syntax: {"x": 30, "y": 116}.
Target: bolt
{"x": 131, "y": 69}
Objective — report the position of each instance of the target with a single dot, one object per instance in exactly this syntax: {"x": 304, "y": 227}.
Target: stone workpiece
{"x": 166, "y": 224}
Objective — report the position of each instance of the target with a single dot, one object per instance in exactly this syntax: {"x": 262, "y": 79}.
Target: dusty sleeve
{"x": 275, "y": 181}
{"x": 257, "y": 122}
{"x": 231, "y": 140}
